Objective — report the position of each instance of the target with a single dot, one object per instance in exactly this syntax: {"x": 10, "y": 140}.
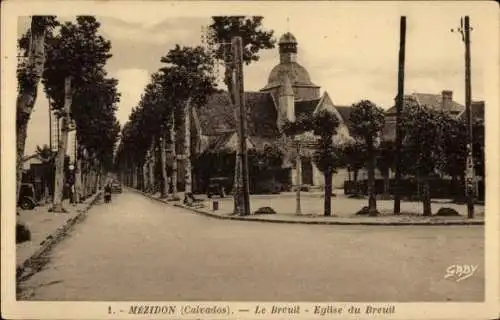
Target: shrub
{"x": 265, "y": 210}
{"x": 447, "y": 212}
{"x": 23, "y": 234}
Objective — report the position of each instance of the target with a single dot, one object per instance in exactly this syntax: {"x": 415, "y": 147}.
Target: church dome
{"x": 289, "y": 68}
{"x": 287, "y": 38}
{"x": 297, "y": 74}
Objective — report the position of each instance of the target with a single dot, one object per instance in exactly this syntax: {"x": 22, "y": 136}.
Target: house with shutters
{"x": 288, "y": 94}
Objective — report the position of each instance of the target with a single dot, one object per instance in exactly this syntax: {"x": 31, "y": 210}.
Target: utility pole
{"x": 237, "y": 47}
{"x": 469, "y": 170}
{"x": 399, "y": 110}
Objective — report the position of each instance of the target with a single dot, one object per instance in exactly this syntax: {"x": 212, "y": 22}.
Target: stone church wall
{"x": 306, "y": 93}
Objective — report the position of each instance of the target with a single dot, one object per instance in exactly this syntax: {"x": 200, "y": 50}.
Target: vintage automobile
{"x": 217, "y": 186}
{"x": 116, "y": 187}
{"x": 27, "y": 199}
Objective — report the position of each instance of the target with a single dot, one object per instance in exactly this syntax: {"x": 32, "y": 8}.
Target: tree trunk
{"x": 426, "y": 199}
{"x": 298, "y": 182}
{"x": 28, "y": 91}
{"x": 372, "y": 201}
{"x": 61, "y": 152}
{"x": 188, "y": 189}
{"x": 83, "y": 193}
{"x": 355, "y": 180}
{"x": 78, "y": 180}
{"x": 102, "y": 176}
{"x": 239, "y": 206}
{"x": 386, "y": 185}
{"x": 145, "y": 176}
{"x": 173, "y": 153}
{"x": 151, "y": 174}
{"x": 163, "y": 155}
{"x": 328, "y": 192}
{"x": 238, "y": 184}
{"x": 134, "y": 176}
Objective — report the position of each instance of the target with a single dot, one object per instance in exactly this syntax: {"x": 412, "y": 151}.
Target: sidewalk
{"x": 344, "y": 210}
{"x": 46, "y": 228}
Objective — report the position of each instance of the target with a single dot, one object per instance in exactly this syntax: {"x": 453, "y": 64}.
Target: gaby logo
{"x": 460, "y": 272}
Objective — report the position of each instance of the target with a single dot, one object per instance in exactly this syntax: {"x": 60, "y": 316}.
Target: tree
{"x": 254, "y": 38}
{"x": 368, "y": 121}
{"x": 187, "y": 79}
{"x": 28, "y": 77}
{"x": 265, "y": 162}
{"x": 46, "y": 155}
{"x": 79, "y": 53}
{"x": 354, "y": 156}
{"x": 385, "y": 162}
{"x": 326, "y": 155}
{"x": 421, "y": 143}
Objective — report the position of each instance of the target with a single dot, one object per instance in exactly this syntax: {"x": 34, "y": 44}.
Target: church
{"x": 288, "y": 94}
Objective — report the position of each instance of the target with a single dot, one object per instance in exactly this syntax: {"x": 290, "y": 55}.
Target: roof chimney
{"x": 446, "y": 100}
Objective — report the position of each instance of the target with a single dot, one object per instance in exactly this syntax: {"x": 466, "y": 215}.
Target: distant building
{"x": 439, "y": 102}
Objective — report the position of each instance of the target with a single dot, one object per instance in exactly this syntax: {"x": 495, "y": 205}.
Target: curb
{"x": 29, "y": 267}
{"x": 337, "y": 222}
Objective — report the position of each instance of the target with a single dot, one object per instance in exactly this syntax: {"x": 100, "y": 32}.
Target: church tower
{"x": 289, "y": 69}
{"x": 286, "y": 102}
{"x": 288, "y": 48}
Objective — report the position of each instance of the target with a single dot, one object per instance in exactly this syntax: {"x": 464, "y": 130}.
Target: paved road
{"x": 139, "y": 249}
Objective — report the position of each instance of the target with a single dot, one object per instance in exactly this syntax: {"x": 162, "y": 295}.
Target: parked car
{"x": 116, "y": 187}
{"x": 27, "y": 196}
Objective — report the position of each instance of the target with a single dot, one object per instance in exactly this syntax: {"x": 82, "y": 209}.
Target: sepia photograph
{"x": 328, "y": 160}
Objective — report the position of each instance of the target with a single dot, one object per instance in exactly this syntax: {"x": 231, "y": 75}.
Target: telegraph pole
{"x": 237, "y": 46}
{"x": 470, "y": 162}
{"x": 399, "y": 109}
{"x": 469, "y": 170}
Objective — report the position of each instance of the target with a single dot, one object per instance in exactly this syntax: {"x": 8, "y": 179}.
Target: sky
{"x": 349, "y": 49}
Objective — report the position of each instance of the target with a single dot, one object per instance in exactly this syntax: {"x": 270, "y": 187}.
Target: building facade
{"x": 289, "y": 93}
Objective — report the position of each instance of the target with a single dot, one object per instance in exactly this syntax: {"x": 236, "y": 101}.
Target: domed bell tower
{"x": 288, "y": 48}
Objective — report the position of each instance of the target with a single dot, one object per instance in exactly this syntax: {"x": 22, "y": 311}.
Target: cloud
{"x": 160, "y": 31}
{"x": 131, "y": 83}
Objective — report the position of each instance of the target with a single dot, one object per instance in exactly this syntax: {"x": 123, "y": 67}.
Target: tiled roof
{"x": 432, "y": 101}
{"x": 228, "y": 141}
{"x": 218, "y": 115}
{"x": 389, "y": 131}
{"x": 345, "y": 112}
{"x": 305, "y": 107}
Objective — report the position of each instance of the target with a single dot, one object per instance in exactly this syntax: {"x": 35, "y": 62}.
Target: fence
{"x": 439, "y": 188}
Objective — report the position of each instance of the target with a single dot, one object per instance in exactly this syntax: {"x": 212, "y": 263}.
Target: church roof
{"x": 297, "y": 74}
{"x": 345, "y": 113}
{"x": 217, "y": 116}
{"x": 287, "y": 38}
{"x": 305, "y": 107}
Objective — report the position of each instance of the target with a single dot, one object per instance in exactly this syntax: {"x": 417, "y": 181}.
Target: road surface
{"x": 136, "y": 248}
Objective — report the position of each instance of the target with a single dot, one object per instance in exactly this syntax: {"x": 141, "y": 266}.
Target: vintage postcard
{"x": 250, "y": 160}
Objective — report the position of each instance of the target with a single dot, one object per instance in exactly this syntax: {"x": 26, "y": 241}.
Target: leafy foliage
{"x": 79, "y": 52}
{"x": 368, "y": 120}
{"x": 187, "y": 74}
{"x": 250, "y": 29}
{"x": 27, "y": 76}
{"x": 422, "y": 140}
